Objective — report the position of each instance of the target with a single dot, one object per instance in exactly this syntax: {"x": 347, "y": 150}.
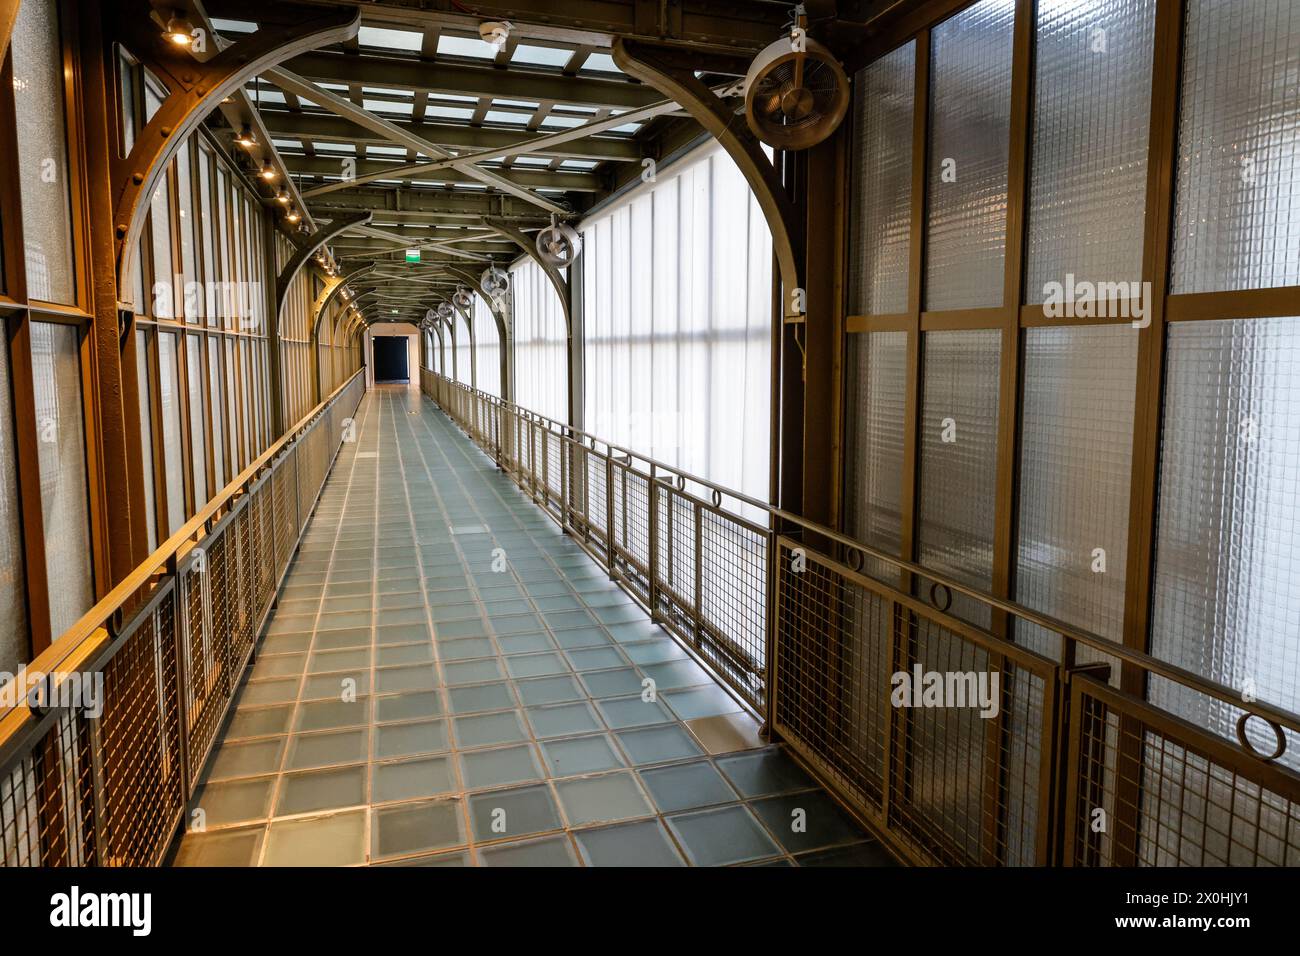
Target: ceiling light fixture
{"x": 246, "y": 138}
{"x": 494, "y": 33}
{"x": 292, "y": 215}
{"x": 179, "y": 29}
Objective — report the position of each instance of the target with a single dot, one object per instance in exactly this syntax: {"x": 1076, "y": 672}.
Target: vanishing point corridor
{"x": 448, "y": 680}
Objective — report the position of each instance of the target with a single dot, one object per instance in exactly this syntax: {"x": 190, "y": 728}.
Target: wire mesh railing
{"x": 1020, "y": 740}
{"x": 103, "y": 746}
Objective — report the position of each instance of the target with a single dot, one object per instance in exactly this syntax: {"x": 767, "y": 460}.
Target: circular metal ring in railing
{"x": 717, "y": 498}
{"x": 935, "y": 588}
{"x": 681, "y": 483}
{"x": 1246, "y": 745}
{"x": 854, "y": 560}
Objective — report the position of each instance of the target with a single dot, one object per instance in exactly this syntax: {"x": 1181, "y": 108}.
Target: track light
{"x": 494, "y": 33}
{"x": 179, "y": 30}
{"x": 246, "y": 138}
{"x": 268, "y": 171}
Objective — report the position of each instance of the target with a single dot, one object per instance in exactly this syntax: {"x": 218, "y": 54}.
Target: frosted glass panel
{"x": 541, "y": 343}
{"x": 145, "y": 391}
{"x": 959, "y": 438}
{"x": 677, "y": 289}
{"x": 61, "y": 449}
{"x": 882, "y": 183}
{"x": 36, "y": 50}
{"x": 169, "y": 394}
{"x": 1237, "y": 223}
{"x": 873, "y": 474}
{"x": 1076, "y": 450}
{"x": 218, "y": 425}
{"x": 1092, "y": 105}
{"x": 464, "y": 350}
{"x": 1226, "y": 604}
{"x": 487, "y": 348}
{"x": 13, "y": 580}
{"x": 970, "y": 117}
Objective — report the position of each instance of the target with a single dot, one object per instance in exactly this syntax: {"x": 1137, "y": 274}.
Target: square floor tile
{"x": 575, "y": 755}
{"x": 624, "y": 712}
{"x": 466, "y": 649}
{"x": 408, "y": 779}
{"x": 806, "y": 821}
{"x": 727, "y": 733}
{"x": 524, "y": 643}
{"x": 235, "y": 801}
{"x": 338, "y": 840}
{"x": 409, "y": 706}
{"x": 658, "y": 744}
{"x": 643, "y": 843}
{"x": 321, "y": 790}
{"x": 343, "y": 685}
{"x": 870, "y": 853}
{"x": 723, "y": 836}
{"x": 472, "y": 672}
{"x": 763, "y": 772}
{"x": 671, "y": 675}
{"x": 583, "y": 637}
{"x": 393, "y": 654}
{"x": 393, "y": 680}
{"x": 417, "y": 828}
{"x": 536, "y": 665}
{"x": 480, "y": 697}
{"x": 307, "y": 751}
{"x": 548, "y": 851}
{"x": 687, "y": 786}
{"x": 706, "y": 701}
{"x": 419, "y": 737}
{"x": 483, "y": 730}
{"x": 260, "y": 721}
{"x": 496, "y": 768}
{"x": 613, "y": 683}
{"x": 276, "y": 691}
{"x": 654, "y": 652}
{"x": 247, "y": 758}
{"x": 611, "y": 796}
{"x": 549, "y": 690}
{"x": 562, "y": 720}
{"x": 513, "y": 813}
{"x": 595, "y": 658}
{"x": 333, "y": 714}
{"x": 349, "y": 659}
{"x": 221, "y": 848}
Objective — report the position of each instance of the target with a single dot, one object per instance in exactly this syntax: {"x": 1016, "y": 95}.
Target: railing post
{"x": 609, "y": 511}
{"x": 653, "y": 578}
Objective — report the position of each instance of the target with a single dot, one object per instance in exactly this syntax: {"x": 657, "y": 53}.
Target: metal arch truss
{"x": 307, "y": 248}
{"x": 193, "y": 89}
{"x": 561, "y": 284}
{"x": 672, "y": 73}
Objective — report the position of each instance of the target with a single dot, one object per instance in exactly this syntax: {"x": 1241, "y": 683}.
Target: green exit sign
{"x": 412, "y": 255}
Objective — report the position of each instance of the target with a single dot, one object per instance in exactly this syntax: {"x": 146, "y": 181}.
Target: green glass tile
{"x": 549, "y": 851}
{"x": 600, "y": 799}
{"x": 496, "y": 768}
{"x": 763, "y": 772}
{"x": 417, "y": 828}
{"x": 576, "y": 755}
{"x": 517, "y": 812}
{"x": 247, "y": 759}
{"x": 408, "y": 779}
{"x": 658, "y": 744}
{"x": 561, "y": 720}
{"x": 337, "y": 840}
{"x": 721, "y": 837}
{"x": 806, "y": 821}
{"x": 324, "y": 749}
{"x": 321, "y": 790}
{"x": 643, "y": 843}
{"x": 483, "y": 730}
{"x": 687, "y": 786}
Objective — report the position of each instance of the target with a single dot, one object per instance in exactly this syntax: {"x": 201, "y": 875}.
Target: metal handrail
{"x": 1272, "y": 713}
{"x": 96, "y": 627}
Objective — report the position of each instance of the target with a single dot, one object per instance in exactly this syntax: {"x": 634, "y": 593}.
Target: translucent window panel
{"x": 208, "y": 227}
{"x": 163, "y": 294}
{"x": 970, "y": 126}
{"x": 232, "y": 391}
{"x": 14, "y": 647}
{"x": 958, "y": 464}
{"x": 145, "y": 390}
{"x": 541, "y": 343}
{"x": 677, "y": 322}
{"x": 464, "y": 350}
{"x": 192, "y": 302}
{"x": 1076, "y": 452}
{"x": 1225, "y": 601}
{"x": 217, "y": 419}
{"x": 487, "y": 347}
{"x": 169, "y": 397}
{"x": 1091, "y": 119}
{"x": 1237, "y": 220}
{"x": 61, "y": 450}
{"x": 198, "y": 417}
{"x": 881, "y": 210}
{"x": 36, "y": 50}
{"x": 874, "y": 435}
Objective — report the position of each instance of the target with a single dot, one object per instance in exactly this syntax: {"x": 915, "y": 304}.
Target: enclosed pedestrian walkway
{"x": 448, "y": 680}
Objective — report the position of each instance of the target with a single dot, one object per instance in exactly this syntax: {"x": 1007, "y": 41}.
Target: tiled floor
{"x": 448, "y": 681}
